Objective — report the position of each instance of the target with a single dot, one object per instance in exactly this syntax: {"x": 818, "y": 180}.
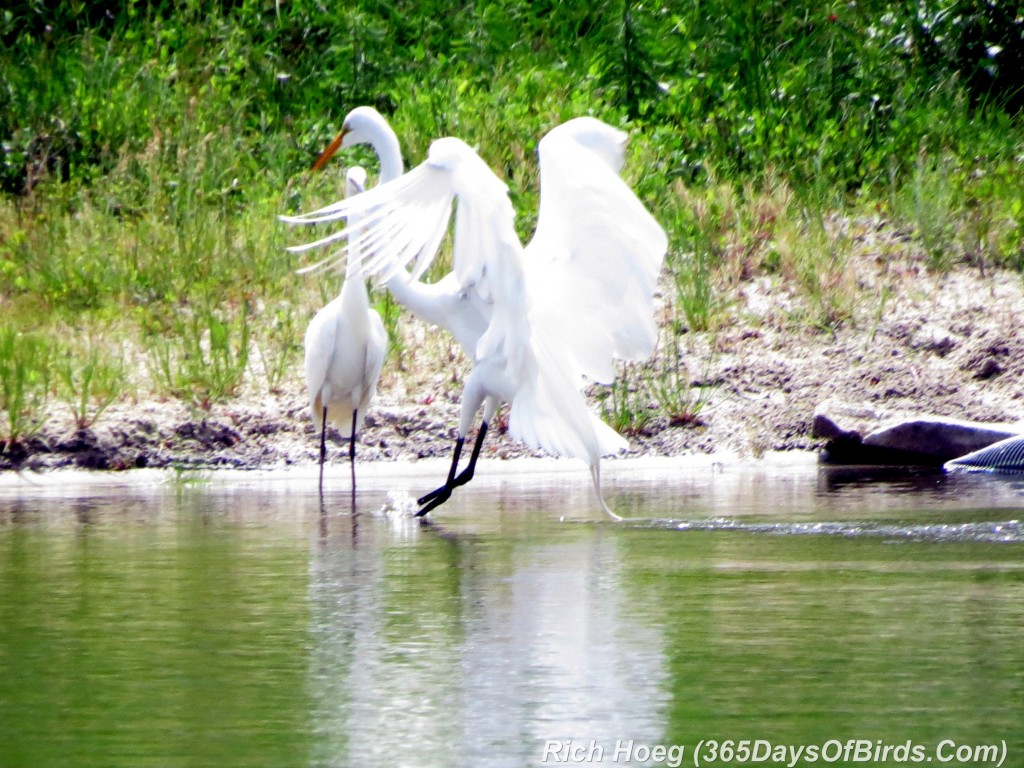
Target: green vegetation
{"x": 93, "y": 377}
{"x": 25, "y": 376}
{"x": 147, "y": 148}
{"x": 203, "y": 356}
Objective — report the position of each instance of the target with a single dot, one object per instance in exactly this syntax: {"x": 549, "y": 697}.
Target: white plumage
{"x": 345, "y": 347}
{"x": 557, "y": 312}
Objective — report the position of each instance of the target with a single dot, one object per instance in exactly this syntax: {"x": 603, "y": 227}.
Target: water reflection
{"x": 911, "y": 481}
{"x": 147, "y": 628}
{"x": 492, "y": 646}
{"x": 255, "y": 622}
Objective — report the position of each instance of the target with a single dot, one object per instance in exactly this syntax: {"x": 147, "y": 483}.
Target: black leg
{"x": 352, "y": 456}
{"x": 467, "y": 474}
{"x": 439, "y": 496}
{"x": 323, "y": 447}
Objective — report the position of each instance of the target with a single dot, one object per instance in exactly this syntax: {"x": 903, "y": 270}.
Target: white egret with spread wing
{"x": 558, "y": 311}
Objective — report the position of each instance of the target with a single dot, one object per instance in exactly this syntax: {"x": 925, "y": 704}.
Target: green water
{"x": 242, "y": 624}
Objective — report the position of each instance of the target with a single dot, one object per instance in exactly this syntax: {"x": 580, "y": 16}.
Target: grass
{"x": 678, "y": 398}
{"x": 278, "y": 342}
{"x": 25, "y": 376}
{"x": 204, "y": 355}
{"x": 816, "y": 258}
{"x": 928, "y": 206}
{"x": 625, "y": 403}
{"x": 148, "y": 150}
{"x": 391, "y": 314}
{"x": 91, "y": 379}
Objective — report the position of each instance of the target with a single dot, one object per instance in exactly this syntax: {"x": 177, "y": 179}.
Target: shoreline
{"x": 428, "y": 468}
{"x": 945, "y": 346}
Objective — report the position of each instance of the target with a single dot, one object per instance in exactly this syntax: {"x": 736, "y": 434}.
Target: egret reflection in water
{"x": 271, "y": 627}
{"x": 424, "y": 633}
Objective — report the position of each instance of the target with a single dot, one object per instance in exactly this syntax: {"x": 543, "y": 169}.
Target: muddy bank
{"x": 941, "y": 345}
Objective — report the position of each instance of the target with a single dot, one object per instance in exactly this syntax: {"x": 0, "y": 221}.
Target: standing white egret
{"x": 345, "y": 348}
{"x": 444, "y": 303}
{"x": 560, "y": 310}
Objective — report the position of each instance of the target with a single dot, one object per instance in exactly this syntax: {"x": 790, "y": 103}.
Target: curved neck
{"x": 385, "y": 145}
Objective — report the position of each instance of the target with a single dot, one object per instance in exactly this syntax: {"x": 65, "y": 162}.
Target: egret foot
{"x": 434, "y": 499}
{"x": 439, "y": 496}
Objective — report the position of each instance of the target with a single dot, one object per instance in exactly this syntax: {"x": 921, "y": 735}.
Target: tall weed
{"x": 278, "y": 340}
{"x": 625, "y": 403}
{"x": 678, "y": 399}
{"x": 26, "y": 375}
{"x": 815, "y": 257}
{"x": 928, "y": 205}
{"x": 91, "y": 378}
{"x": 203, "y": 357}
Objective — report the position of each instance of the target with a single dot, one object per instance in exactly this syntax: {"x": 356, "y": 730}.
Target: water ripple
{"x": 1006, "y": 531}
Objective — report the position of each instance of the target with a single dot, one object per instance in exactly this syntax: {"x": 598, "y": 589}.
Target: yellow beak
{"x": 329, "y": 152}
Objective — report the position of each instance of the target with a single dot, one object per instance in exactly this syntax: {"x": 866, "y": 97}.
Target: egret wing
{"x": 487, "y": 254}
{"x": 319, "y": 347}
{"x": 550, "y": 413}
{"x": 593, "y": 264}
{"x": 404, "y": 221}
{"x": 388, "y": 226}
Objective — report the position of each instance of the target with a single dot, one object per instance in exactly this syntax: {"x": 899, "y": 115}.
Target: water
{"x": 234, "y": 620}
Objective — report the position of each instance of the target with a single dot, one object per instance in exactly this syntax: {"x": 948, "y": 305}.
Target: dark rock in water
{"x": 843, "y": 446}
{"x": 926, "y": 441}
{"x": 1004, "y": 456}
{"x": 847, "y": 451}
{"x": 825, "y": 427}
{"x": 943, "y": 439}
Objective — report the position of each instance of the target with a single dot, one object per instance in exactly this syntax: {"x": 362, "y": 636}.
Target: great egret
{"x": 444, "y": 303}
{"x": 345, "y": 348}
{"x": 580, "y": 295}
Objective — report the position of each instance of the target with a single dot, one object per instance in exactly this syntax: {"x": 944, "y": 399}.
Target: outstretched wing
{"x": 593, "y": 264}
{"x": 388, "y": 227}
{"x": 406, "y": 219}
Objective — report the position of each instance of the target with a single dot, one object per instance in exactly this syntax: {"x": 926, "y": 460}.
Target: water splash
{"x": 399, "y": 505}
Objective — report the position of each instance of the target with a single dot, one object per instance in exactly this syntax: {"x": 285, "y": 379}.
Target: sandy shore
{"x": 941, "y": 345}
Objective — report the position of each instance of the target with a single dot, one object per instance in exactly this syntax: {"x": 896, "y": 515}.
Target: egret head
{"x": 355, "y": 180}
{"x": 603, "y": 140}
{"x": 363, "y": 125}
